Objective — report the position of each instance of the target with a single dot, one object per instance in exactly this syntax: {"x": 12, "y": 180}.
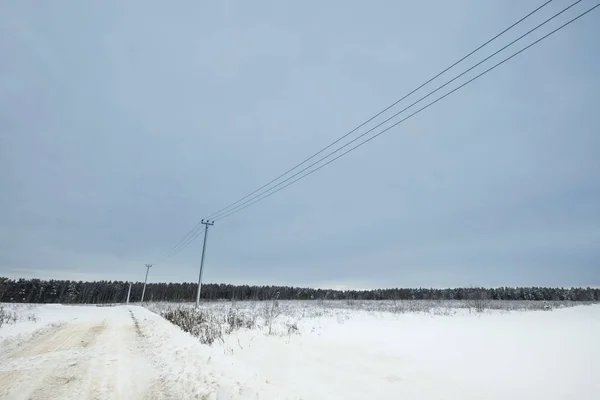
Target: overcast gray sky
{"x": 123, "y": 123}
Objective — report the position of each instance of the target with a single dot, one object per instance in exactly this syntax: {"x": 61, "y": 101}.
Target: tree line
{"x": 66, "y": 291}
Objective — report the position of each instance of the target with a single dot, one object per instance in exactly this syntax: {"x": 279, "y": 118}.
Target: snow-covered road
{"x": 97, "y": 359}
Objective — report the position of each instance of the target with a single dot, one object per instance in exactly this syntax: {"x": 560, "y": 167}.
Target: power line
{"x": 185, "y": 243}
{"x": 215, "y": 214}
{"x": 240, "y": 206}
{"x": 195, "y": 232}
{"x": 187, "y": 236}
{"x": 414, "y": 113}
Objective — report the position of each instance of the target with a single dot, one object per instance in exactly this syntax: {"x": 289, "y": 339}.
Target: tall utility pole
{"x": 128, "y": 292}
{"x": 206, "y": 223}
{"x": 146, "y": 280}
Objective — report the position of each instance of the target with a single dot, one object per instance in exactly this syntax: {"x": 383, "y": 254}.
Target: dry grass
{"x": 13, "y": 313}
{"x": 208, "y": 326}
{"x": 214, "y": 320}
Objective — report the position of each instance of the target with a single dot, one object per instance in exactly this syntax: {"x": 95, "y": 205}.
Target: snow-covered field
{"x": 24, "y": 319}
{"x": 316, "y": 350}
{"x": 277, "y": 317}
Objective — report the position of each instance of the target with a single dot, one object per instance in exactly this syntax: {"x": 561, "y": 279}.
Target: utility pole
{"x": 146, "y": 280}
{"x": 206, "y": 223}
{"x": 128, "y": 292}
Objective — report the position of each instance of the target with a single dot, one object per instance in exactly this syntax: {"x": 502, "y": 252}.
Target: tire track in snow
{"x": 81, "y": 361}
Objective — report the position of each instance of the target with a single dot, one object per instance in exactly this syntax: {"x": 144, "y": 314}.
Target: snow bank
{"x": 190, "y": 369}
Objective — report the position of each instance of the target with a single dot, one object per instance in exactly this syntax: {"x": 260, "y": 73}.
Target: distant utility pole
{"x": 206, "y": 223}
{"x": 129, "y": 293}
{"x": 146, "y": 280}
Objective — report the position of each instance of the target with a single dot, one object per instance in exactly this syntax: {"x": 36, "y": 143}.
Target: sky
{"x": 122, "y": 124}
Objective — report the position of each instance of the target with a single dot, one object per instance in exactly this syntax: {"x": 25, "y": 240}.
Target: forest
{"x": 78, "y": 292}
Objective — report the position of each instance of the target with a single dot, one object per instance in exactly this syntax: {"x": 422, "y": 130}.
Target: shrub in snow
{"x": 208, "y": 325}
{"x": 199, "y": 324}
{"x": 271, "y": 312}
{"x": 236, "y": 320}
{"x": 478, "y": 300}
{"x": 292, "y": 328}
{"x": 7, "y": 316}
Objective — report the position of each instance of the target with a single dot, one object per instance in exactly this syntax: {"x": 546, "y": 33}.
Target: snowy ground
{"x": 25, "y": 319}
{"x": 335, "y": 353}
{"x": 78, "y": 353}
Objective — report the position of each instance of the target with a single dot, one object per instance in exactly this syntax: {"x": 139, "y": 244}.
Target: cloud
{"x": 119, "y": 132}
